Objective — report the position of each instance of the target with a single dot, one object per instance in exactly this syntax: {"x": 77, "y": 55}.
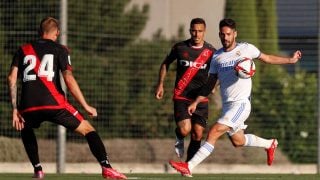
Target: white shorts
{"x": 234, "y": 115}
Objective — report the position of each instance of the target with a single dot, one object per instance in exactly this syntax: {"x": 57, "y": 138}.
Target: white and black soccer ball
{"x": 245, "y": 68}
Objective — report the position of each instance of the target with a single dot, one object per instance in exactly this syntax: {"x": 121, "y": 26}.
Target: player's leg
{"x": 31, "y": 146}
{"x": 183, "y": 122}
{"x": 232, "y": 114}
{"x": 199, "y": 123}
{"x": 195, "y": 141}
{"x": 97, "y": 148}
{"x": 182, "y": 130}
{"x": 30, "y": 143}
{"x": 250, "y": 140}
{"x": 215, "y": 132}
{"x": 204, "y": 151}
{"x": 198, "y": 128}
{"x": 239, "y": 138}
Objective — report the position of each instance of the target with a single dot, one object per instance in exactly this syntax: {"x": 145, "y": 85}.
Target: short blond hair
{"x": 47, "y": 25}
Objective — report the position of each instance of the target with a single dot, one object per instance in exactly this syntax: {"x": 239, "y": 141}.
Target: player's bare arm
{"x": 204, "y": 92}
{"x": 162, "y": 74}
{"x": 17, "y": 120}
{"x": 273, "y": 59}
{"x": 215, "y": 87}
{"x": 74, "y": 89}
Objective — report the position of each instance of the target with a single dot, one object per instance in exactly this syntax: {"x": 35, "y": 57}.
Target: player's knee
{"x": 237, "y": 143}
{"x": 84, "y": 128}
{"x": 185, "y": 131}
{"x": 197, "y": 135}
{"x": 184, "y": 127}
{"x": 218, "y": 129}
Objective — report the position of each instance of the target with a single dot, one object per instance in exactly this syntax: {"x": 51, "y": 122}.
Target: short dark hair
{"x": 47, "y": 24}
{"x": 198, "y": 21}
{"x": 229, "y": 23}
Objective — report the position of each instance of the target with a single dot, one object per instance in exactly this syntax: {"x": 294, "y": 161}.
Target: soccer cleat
{"x": 110, "y": 173}
{"x": 181, "y": 167}
{"x": 38, "y": 175}
{"x": 271, "y": 151}
{"x": 186, "y": 175}
{"x": 179, "y": 147}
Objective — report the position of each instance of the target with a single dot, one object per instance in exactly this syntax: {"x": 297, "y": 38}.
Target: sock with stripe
{"x": 255, "y": 141}
{"x": 205, "y": 150}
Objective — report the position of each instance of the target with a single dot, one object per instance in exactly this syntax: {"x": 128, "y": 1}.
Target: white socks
{"x": 205, "y": 150}
{"x": 255, "y": 141}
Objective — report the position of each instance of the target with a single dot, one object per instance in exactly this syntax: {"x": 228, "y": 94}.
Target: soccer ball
{"x": 245, "y": 68}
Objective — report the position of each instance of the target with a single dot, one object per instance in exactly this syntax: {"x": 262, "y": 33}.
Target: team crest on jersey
{"x": 185, "y": 55}
{"x": 238, "y": 53}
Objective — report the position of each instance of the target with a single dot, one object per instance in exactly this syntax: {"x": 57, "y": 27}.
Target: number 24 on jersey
{"x": 45, "y": 69}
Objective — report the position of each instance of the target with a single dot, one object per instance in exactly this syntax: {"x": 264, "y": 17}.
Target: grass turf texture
{"x": 17, "y": 176}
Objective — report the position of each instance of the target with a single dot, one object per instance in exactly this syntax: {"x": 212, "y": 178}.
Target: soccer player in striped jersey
{"x": 193, "y": 61}
{"x": 235, "y": 94}
{"x": 40, "y": 65}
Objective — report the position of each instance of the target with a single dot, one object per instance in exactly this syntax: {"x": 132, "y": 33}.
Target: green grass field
{"x": 11, "y": 176}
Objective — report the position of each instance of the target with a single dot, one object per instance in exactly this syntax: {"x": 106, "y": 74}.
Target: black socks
{"x": 31, "y": 146}
{"x": 97, "y": 148}
{"x": 192, "y": 149}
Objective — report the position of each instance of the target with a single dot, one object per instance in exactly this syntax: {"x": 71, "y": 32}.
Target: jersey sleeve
{"x": 213, "y": 65}
{"x": 172, "y": 55}
{"x": 64, "y": 59}
{"x": 254, "y": 51}
{"x": 17, "y": 58}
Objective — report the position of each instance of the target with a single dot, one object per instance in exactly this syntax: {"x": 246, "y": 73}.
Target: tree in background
{"x": 20, "y": 19}
{"x": 245, "y": 15}
{"x": 103, "y": 27}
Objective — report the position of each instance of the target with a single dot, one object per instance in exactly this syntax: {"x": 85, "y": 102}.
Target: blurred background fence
{"x": 117, "y": 47}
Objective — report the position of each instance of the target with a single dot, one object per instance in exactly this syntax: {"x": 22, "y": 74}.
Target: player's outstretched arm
{"x": 74, "y": 88}
{"x": 274, "y": 59}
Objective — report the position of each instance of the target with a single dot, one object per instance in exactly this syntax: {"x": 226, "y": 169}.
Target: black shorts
{"x": 200, "y": 116}
{"x": 63, "y": 117}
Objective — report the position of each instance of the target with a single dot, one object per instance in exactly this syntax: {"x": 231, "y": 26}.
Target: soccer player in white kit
{"x": 235, "y": 94}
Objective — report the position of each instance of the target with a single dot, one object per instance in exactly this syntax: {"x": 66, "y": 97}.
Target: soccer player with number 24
{"x": 40, "y": 65}
{"x": 235, "y": 92}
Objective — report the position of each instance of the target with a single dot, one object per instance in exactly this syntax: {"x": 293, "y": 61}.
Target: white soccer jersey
{"x": 232, "y": 87}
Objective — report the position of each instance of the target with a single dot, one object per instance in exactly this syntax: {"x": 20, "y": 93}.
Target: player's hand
{"x": 192, "y": 108}
{"x": 91, "y": 111}
{"x": 17, "y": 120}
{"x": 159, "y": 92}
{"x": 296, "y": 56}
